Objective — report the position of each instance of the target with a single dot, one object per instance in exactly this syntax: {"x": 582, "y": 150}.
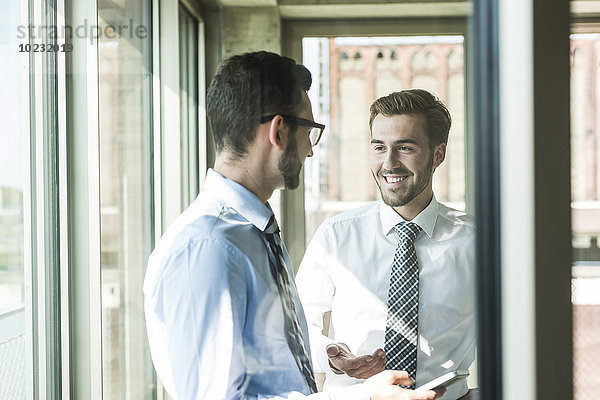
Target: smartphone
{"x": 445, "y": 380}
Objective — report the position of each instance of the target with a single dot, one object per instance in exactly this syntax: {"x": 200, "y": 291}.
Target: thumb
{"x": 399, "y": 378}
{"x": 332, "y": 350}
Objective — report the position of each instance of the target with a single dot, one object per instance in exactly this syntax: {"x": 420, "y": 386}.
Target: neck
{"x": 413, "y": 208}
{"x": 246, "y": 171}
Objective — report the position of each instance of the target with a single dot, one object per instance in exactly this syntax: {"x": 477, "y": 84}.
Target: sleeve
{"x": 316, "y": 290}
{"x": 203, "y": 293}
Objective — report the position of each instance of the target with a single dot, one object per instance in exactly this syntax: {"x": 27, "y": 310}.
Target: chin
{"x": 292, "y": 178}
{"x": 393, "y": 202}
{"x": 394, "y": 199}
{"x": 291, "y": 182}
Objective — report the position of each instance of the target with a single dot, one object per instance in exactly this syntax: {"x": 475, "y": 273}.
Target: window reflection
{"x": 585, "y": 192}
{"x": 125, "y": 191}
{"x": 338, "y": 177}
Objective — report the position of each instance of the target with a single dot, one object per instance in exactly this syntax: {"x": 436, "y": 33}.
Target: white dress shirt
{"x": 213, "y": 314}
{"x": 346, "y": 270}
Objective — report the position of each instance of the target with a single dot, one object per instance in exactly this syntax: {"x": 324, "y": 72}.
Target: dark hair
{"x": 416, "y": 101}
{"x": 248, "y": 86}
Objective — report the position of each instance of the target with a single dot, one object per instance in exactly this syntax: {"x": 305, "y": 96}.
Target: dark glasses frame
{"x": 301, "y": 122}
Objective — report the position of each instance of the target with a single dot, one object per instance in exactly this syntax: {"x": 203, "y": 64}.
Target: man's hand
{"x": 383, "y": 386}
{"x": 361, "y": 367}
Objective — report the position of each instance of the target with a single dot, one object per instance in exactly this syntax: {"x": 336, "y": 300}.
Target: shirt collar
{"x": 239, "y": 198}
{"x": 426, "y": 218}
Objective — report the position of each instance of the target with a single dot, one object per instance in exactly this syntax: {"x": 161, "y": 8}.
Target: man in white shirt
{"x": 348, "y": 268}
{"x": 223, "y": 316}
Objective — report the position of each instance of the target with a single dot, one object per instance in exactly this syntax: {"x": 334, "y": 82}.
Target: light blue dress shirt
{"x": 215, "y": 322}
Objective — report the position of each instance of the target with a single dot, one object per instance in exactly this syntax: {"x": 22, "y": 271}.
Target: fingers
{"x": 383, "y": 386}
{"x": 375, "y": 369}
{"x": 357, "y": 371}
{"x": 398, "y": 378}
{"x": 370, "y": 368}
{"x": 364, "y": 367}
{"x": 379, "y": 353}
{"x": 339, "y": 359}
{"x": 351, "y": 366}
{"x": 338, "y": 349}
{"x": 428, "y": 395}
{"x": 361, "y": 367}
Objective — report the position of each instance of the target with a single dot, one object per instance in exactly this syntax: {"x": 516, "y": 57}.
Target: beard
{"x": 290, "y": 165}
{"x": 402, "y": 196}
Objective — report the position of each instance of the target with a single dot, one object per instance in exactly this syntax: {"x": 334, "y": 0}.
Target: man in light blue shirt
{"x": 223, "y": 316}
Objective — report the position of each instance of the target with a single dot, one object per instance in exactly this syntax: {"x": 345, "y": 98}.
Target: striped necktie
{"x": 401, "y": 331}
{"x": 285, "y": 287}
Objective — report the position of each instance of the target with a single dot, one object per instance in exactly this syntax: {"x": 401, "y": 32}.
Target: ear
{"x": 278, "y": 133}
{"x": 439, "y": 155}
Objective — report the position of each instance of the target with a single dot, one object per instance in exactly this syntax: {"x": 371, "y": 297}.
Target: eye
{"x": 378, "y": 147}
{"x": 405, "y": 148}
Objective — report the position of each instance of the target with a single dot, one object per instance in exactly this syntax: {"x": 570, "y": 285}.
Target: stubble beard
{"x": 401, "y": 197}
{"x": 290, "y": 165}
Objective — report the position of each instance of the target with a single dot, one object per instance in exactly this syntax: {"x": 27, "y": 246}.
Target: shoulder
{"x": 456, "y": 218}
{"x": 209, "y": 219}
{"x": 356, "y": 217}
{"x": 206, "y": 233}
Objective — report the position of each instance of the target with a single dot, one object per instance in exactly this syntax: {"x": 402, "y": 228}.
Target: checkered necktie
{"x": 403, "y": 302}
{"x": 292, "y": 328}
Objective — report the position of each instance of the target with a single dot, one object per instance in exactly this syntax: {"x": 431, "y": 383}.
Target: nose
{"x": 389, "y": 161}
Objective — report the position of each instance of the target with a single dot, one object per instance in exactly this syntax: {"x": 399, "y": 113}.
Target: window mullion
{"x": 63, "y": 244}
{"x": 43, "y": 276}
{"x": 28, "y": 214}
{"x": 83, "y": 168}
{"x": 38, "y": 220}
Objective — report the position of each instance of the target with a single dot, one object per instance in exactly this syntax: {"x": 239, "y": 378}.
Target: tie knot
{"x": 272, "y": 227}
{"x": 407, "y": 230}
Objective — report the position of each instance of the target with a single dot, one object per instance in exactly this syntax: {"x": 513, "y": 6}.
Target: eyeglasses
{"x": 315, "y": 133}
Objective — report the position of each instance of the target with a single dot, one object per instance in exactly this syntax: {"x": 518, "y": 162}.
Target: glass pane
{"x": 126, "y": 194}
{"x": 188, "y": 98}
{"x": 350, "y": 73}
{"x": 12, "y": 300}
{"x": 585, "y": 187}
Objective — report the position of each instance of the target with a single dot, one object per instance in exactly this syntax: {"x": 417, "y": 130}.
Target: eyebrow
{"x": 396, "y": 142}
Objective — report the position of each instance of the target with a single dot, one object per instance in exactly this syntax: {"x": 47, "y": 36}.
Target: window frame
{"x": 535, "y": 221}
{"x": 174, "y": 184}
{"x": 195, "y": 147}
{"x": 82, "y": 202}
{"x": 44, "y": 217}
{"x": 63, "y": 310}
{"x": 171, "y": 195}
{"x": 485, "y": 104}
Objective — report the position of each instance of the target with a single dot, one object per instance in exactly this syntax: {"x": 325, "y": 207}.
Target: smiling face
{"x": 402, "y": 161}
